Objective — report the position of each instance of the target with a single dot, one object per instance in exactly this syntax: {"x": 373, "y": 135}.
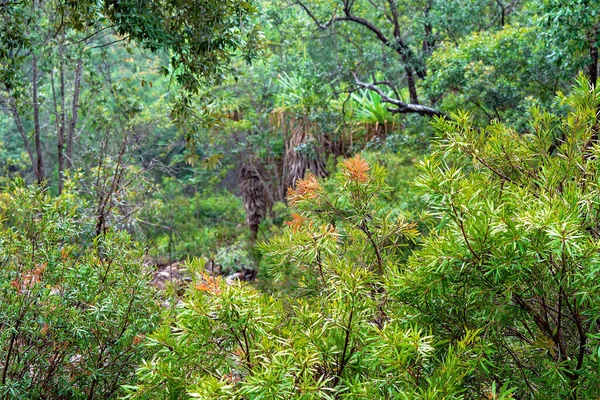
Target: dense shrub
{"x": 177, "y": 225}
{"x": 516, "y": 253}
{"x": 500, "y": 301}
{"x": 337, "y": 335}
{"x": 73, "y": 309}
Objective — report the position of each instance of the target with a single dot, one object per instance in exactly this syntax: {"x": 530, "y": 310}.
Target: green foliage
{"x": 73, "y": 309}
{"x": 337, "y": 336}
{"x": 483, "y": 288}
{"x": 201, "y": 37}
{"x": 573, "y": 27}
{"x": 402, "y": 170}
{"x": 515, "y": 254}
{"x": 179, "y": 225}
{"x": 496, "y": 75}
{"x": 233, "y": 258}
{"x": 370, "y": 109}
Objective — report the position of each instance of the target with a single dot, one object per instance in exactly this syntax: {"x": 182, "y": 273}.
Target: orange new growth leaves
{"x": 28, "y": 280}
{"x": 138, "y": 339}
{"x": 307, "y": 188}
{"x": 296, "y": 223}
{"x": 240, "y": 352}
{"x": 210, "y": 284}
{"x": 64, "y": 253}
{"x": 356, "y": 169}
{"x": 232, "y": 378}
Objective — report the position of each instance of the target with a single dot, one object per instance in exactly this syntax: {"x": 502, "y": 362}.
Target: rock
{"x": 170, "y": 274}
{"x": 243, "y": 275}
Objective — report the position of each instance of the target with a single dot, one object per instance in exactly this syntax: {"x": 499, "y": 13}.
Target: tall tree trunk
{"x": 593, "y": 78}
{"x": 429, "y": 39}
{"x": 19, "y": 123}
{"x": 412, "y": 87}
{"x": 39, "y": 167}
{"x": 75, "y": 111}
{"x": 61, "y": 130}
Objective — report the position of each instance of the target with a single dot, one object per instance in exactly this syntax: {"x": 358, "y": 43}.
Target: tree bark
{"x": 593, "y": 67}
{"x": 61, "y": 129}
{"x": 254, "y": 195}
{"x": 39, "y": 167}
{"x": 75, "y": 111}
{"x": 410, "y": 82}
{"x": 400, "y": 107}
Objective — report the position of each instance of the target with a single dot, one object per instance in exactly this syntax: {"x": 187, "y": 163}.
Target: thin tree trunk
{"x": 428, "y": 40}
{"x": 428, "y": 44}
{"x": 75, "y": 111}
{"x": 63, "y": 119}
{"x": 593, "y": 77}
{"x": 412, "y": 87}
{"x": 40, "y": 173}
{"x": 105, "y": 204}
{"x": 19, "y": 123}
{"x": 593, "y": 67}
{"x": 57, "y": 122}
{"x": 39, "y": 165}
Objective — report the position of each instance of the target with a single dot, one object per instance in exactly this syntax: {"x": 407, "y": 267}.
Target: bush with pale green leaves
{"x": 517, "y": 251}
{"x": 338, "y": 335}
{"x": 500, "y": 300}
{"x": 74, "y": 309}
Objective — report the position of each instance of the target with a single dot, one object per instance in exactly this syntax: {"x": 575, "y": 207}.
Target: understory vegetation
{"x": 383, "y": 199}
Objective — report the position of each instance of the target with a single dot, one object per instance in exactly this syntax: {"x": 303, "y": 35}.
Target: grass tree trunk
{"x": 255, "y": 197}
{"x": 297, "y": 163}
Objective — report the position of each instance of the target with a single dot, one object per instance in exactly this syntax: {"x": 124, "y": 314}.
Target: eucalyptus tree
{"x": 44, "y": 43}
{"x": 409, "y": 31}
{"x": 575, "y": 27}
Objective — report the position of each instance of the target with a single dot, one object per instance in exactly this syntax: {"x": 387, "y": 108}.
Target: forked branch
{"x": 400, "y": 107}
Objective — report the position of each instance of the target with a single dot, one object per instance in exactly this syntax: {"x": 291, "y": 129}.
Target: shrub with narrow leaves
{"x": 338, "y": 335}
{"x": 517, "y": 251}
{"x": 73, "y": 312}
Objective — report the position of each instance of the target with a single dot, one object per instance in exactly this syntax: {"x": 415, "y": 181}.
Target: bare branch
{"x": 400, "y": 106}
{"x": 348, "y": 16}
{"x": 314, "y": 18}
{"x": 367, "y": 24}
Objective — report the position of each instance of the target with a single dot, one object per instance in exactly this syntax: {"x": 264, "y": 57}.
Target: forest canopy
{"x": 299, "y": 199}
